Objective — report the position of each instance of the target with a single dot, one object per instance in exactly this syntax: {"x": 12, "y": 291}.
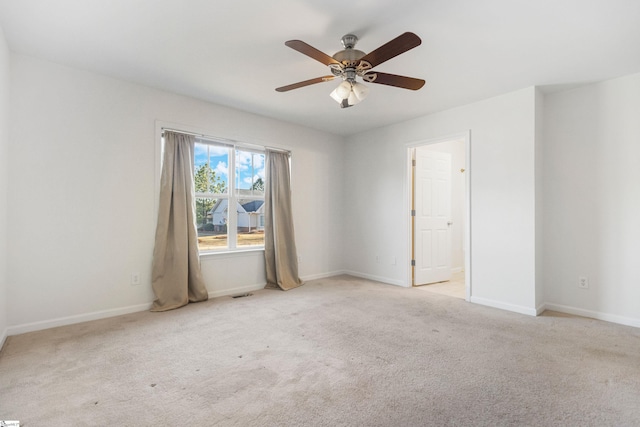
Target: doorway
{"x": 439, "y": 198}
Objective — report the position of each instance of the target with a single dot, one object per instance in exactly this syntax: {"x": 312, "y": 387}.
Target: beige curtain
{"x": 280, "y": 254}
{"x": 176, "y": 277}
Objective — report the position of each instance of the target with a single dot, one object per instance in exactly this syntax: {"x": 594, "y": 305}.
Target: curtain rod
{"x": 231, "y": 141}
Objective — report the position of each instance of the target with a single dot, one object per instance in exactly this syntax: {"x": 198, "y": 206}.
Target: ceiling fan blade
{"x": 311, "y": 52}
{"x": 393, "y": 80}
{"x": 305, "y": 83}
{"x": 392, "y": 49}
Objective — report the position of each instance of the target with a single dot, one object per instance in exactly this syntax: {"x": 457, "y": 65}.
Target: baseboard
{"x": 257, "y": 287}
{"x": 376, "y": 278}
{"x": 540, "y": 309}
{"x": 70, "y": 320}
{"x": 323, "y": 275}
{"x": 3, "y": 338}
{"x": 504, "y": 306}
{"x": 622, "y": 320}
{"x": 456, "y": 270}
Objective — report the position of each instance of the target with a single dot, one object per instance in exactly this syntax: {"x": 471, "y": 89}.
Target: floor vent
{"x": 242, "y": 295}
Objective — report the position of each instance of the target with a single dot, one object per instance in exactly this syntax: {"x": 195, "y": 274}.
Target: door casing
{"x": 408, "y": 196}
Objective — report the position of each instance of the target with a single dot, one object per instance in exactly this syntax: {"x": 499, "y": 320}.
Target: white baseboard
{"x": 257, "y": 287}
{"x": 70, "y": 320}
{"x": 3, "y": 338}
{"x": 456, "y": 270}
{"x": 376, "y": 278}
{"x": 323, "y": 275}
{"x": 505, "y": 306}
{"x": 607, "y": 317}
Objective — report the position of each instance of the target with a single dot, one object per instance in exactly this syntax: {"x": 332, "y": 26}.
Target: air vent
{"x": 242, "y": 295}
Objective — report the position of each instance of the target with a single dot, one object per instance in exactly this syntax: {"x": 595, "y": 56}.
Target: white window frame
{"x": 231, "y": 195}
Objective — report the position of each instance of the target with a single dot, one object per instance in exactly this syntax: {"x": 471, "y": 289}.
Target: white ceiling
{"x": 232, "y": 52}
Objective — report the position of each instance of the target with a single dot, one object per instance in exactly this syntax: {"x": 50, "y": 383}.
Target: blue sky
{"x": 249, "y": 165}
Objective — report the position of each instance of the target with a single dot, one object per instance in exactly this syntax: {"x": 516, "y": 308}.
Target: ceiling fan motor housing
{"x": 349, "y": 55}
{"x": 349, "y": 59}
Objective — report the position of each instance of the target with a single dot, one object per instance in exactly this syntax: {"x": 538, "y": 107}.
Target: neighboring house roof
{"x": 253, "y": 206}
{"x": 249, "y": 207}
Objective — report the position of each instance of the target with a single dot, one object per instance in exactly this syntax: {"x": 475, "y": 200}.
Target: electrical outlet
{"x": 135, "y": 279}
{"x": 378, "y": 259}
{"x": 583, "y": 282}
{"x": 299, "y": 259}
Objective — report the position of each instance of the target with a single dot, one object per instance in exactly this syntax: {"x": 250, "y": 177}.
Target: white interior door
{"x": 432, "y": 202}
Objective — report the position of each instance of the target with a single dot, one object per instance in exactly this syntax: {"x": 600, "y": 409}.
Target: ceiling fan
{"x": 350, "y": 63}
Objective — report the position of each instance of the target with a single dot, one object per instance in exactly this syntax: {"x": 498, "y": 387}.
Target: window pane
{"x": 250, "y": 222}
{"x": 211, "y": 217}
{"x": 249, "y": 173}
{"x": 211, "y": 171}
{"x": 216, "y": 208}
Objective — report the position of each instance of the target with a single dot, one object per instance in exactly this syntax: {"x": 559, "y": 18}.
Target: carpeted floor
{"x": 336, "y": 352}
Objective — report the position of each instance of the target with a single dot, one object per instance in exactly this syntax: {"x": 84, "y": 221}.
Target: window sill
{"x": 233, "y": 253}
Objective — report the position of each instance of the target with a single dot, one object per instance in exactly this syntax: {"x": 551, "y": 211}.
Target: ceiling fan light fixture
{"x": 348, "y": 94}
{"x": 343, "y": 90}
{"x": 353, "y": 99}
{"x": 361, "y": 91}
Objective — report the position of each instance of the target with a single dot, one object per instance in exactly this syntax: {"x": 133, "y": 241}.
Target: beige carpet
{"x": 335, "y": 352}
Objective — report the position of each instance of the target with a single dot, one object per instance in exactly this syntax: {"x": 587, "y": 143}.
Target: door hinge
{"x": 413, "y": 212}
{"x": 413, "y": 263}
{"x": 413, "y": 162}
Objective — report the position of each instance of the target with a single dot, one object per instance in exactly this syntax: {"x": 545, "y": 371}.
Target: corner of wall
{"x": 539, "y": 197}
{"x": 4, "y": 176}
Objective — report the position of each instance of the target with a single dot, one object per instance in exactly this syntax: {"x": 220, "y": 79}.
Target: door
{"x": 432, "y": 204}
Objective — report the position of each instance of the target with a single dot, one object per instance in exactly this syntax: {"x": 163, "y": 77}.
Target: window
{"x": 229, "y": 185}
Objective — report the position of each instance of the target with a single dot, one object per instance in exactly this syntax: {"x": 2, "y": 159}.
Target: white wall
{"x": 502, "y": 201}
{"x": 4, "y": 176}
{"x": 458, "y": 203}
{"x": 592, "y": 200}
{"x": 82, "y": 194}
{"x": 553, "y": 181}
